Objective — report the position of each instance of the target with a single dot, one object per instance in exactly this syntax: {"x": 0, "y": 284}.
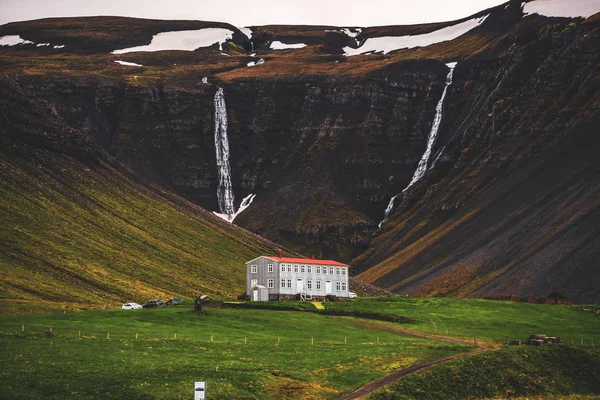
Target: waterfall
{"x": 422, "y": 166}
{"x": 437, "y": 120}
{"x": 225, "y": 197}
{"x": 224, "y": 190}
{"x": 388, "y": 211}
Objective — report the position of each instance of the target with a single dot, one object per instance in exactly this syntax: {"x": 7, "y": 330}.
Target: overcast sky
{"x": 254, "y": 12}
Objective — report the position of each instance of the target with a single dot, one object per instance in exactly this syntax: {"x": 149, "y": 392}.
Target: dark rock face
{"x": 322, "y": 154}
{"x": 511, "y": 208}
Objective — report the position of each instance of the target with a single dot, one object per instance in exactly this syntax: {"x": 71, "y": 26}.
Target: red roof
{"x": 306, "y": 261}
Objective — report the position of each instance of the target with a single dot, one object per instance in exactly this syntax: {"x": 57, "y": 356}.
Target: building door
{"x": 327, "y": 287}
{"x": 255, "y": 295}
{"x": 299, "y": 286}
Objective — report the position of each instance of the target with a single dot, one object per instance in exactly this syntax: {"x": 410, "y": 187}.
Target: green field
{"x": 253, "y": 354}
{"x": 488, "y": 320}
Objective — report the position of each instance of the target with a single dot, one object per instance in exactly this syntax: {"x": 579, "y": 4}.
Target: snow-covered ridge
{"x": 183, "y": 40}
{"x": 13, "y": 40}
{"x": 128, "y": 64}
{"x": 562, "y": 8}
{"x": 386, "y": 44}
{"x": 277, "y": 45}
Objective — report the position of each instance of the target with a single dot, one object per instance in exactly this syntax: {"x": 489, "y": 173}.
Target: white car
{"x": 351, "y": 295}
{"x": 131, "y": 306}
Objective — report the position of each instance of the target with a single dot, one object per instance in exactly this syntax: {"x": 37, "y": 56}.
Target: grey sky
{"x": 254, "y": 12}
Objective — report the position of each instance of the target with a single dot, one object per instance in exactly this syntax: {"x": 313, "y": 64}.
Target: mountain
{"x": 326, "y": 124}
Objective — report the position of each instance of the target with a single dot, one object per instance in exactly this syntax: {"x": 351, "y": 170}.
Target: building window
{"x": 318, "y": 270}
{"x": 295, "y": 268}
{"x": 283, "y": 283}
{"x": 302, "y": 269}
{"x": 318, "y": 285}
{"x": 253, "y": 269}
{"x": 253, "y": 283}
{"x": 289, "y": 267}
{"x": 282, "y": 267}
{"x": 309, "y": 269}
{"x": 270, "y": 267}
{"x": 270, "y": 283}
{"x": 337, "y": 271}
{"x": 343, "y": 286}
{"x": 324, "y": 270}
{"x": 330, "y": 270}
{"x": 289, "y": 283}
{"x": 338, "y": 286}
{"x": 343, "y": 271}
{"x": 309, "y": 285}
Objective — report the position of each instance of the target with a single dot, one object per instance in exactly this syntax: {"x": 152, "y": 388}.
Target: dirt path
{"x": 370, "y": 387}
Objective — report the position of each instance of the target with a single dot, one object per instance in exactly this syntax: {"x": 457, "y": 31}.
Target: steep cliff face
{"x": 511, "y": 207}
{"x": 303, "y": 145}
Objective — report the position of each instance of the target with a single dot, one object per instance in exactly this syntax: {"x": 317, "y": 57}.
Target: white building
{"x": 283, "y": 278}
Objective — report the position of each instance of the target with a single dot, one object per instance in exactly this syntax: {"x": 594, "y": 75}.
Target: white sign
{"x": 200, "y": 391}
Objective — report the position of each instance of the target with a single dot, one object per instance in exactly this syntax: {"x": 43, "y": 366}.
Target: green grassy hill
{"x": 80, "y": 230}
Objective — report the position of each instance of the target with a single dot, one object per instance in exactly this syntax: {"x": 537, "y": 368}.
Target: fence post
{"x": 108, "y": 335}
{"x": 245, "y": 340}
{"x": 136, "y": 336}
{"x": 79, "y": 334}
{"x": 345, "y": 341}
{"x": 175, "y": 336}
{"x": 50, "y": 329}
{"x": 312, "y": 340}
{"x": 211, "y": 339}
{"x": 22, "y": 327}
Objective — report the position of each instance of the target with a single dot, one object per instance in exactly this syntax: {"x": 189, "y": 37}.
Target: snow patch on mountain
{"x": 183, "y": 40}
{"x": 13, "y": 40}
{"x": 277, "y": 45}
{"x": 386, "y": 44}
{"x": 255, "y": 63}
{"x": 128, "y": 64}
{"x": 562, "y": 8}
{"x": 246, "y": 31}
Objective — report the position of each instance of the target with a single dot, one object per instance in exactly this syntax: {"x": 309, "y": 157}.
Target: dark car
{"x": 174, "y": 301}
{"x": 152, "y": 304}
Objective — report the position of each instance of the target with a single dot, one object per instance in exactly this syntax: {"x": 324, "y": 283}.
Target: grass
{"x": 489, "y": 320}
{"x": 252, "y": 354}
{"x": 549, "y": 372}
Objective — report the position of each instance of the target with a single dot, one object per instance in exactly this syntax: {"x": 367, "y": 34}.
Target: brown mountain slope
{"x": 513, "y": 205}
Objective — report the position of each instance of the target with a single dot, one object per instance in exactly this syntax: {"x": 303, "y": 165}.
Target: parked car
{"x": 174, "y": 301}
{"x": 152, "y": 304}
{"x": 351, "y": 295}
{"x": 131, "y": 306}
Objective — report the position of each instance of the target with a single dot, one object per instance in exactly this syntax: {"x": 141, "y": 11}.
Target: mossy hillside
{"x": 241, "y": 354}
{"x": 548, "y": 372}
{"x": 81, "y": 230}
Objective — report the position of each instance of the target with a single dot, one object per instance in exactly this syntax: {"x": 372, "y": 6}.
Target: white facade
{"x": 287, "y": 278}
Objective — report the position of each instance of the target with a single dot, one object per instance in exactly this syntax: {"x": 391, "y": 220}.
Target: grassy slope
{"x": 80, "y": 230}
{"x": 549, "y": 371}
{"x": 160, "y": 366}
